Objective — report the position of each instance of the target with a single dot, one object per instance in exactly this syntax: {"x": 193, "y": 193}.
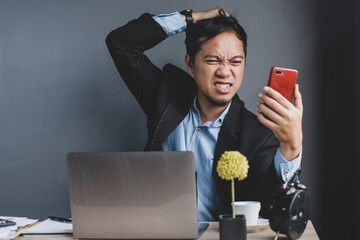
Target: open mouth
{"x": 223, "y": 87}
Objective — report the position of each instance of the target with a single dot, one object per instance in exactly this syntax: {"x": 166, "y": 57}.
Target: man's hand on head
{"x": 284, "y": 119}
{"x": 206, "y": 14}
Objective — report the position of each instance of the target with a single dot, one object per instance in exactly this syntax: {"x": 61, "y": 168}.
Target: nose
{"x": 223, "y": 71}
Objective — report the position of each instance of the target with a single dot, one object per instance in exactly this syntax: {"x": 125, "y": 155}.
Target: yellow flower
{"x": 232, "y": 164}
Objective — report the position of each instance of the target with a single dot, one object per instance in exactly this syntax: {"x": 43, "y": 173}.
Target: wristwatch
{"x": 188, "y": 17}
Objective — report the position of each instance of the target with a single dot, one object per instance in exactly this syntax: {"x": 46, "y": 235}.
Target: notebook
{"x": 133, "y": 195}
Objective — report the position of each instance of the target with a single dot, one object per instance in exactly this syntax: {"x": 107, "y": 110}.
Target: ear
{"x": 188, "y": 64}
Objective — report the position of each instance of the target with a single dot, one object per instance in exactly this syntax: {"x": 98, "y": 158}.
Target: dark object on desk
{"x": 290, "y": 209}
{"x": 60, "y": 219}
{"x": 232, "y": 228}
{"x": 5, "y": 222}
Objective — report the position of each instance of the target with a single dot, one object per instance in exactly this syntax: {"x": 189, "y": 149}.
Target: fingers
{"x": 298, "y": 98}
{"x": 266, "y": 122}
{"x": 278, "y": 97}
{"x": 274, "y": 101}
{"x": 209, "y": 14}
{"x": 222, "y": 11}
{"x": 275, "y": 107}
{"x": 269, "y": 112}
{"x": 281, "y": 116}
{"x": 217, "y": 12}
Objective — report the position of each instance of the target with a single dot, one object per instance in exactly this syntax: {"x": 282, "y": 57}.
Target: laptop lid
{"x": 133, "y": 195}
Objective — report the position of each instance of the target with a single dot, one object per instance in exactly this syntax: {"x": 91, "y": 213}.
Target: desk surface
{"x": 212, "y": 233}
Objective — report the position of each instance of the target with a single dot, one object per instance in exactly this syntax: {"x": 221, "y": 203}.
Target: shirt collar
{"x": 219, "y": 121}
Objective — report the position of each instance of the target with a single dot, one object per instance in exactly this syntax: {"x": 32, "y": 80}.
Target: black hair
{"x": 202, "y": 31}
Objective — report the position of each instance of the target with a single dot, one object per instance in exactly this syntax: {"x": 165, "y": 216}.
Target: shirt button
{"x": 286, "y": 171}
{"x": 198, "y": 130}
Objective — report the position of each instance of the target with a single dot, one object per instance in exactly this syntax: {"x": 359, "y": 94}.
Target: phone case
{"x": 283, "y": 80}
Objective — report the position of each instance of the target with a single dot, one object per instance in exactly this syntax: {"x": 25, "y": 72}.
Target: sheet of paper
{"x": 7, "y": 232}
{"x": 49, "y": 226}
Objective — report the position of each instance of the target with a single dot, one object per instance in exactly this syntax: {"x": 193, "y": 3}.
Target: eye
{"x": 212, "y": 61}
{"x": 236, "y": 62}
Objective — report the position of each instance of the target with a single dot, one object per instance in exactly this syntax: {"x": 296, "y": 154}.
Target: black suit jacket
{"x": 167, "y": 95}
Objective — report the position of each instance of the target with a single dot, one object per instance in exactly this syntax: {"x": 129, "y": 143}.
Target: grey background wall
{"x": 60, "y": 91}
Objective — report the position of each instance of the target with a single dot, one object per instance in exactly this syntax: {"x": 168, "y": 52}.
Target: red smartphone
{"x": 283, "y": 80}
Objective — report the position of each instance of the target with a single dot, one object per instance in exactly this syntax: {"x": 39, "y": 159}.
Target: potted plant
{"x": 232, "y": 165}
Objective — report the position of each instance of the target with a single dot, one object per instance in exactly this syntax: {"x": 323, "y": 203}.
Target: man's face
{"x": 218, "y": 69}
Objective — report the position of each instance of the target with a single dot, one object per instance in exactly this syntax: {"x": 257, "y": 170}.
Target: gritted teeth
{"x": 222, "y": 86}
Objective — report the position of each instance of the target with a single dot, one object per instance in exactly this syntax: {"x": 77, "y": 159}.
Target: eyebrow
{"x": 217, "y": 57}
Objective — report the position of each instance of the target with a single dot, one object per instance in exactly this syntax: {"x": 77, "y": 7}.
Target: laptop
{"x": 133, "y": 195}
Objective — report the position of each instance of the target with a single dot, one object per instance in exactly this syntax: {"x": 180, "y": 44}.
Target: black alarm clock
{"x": 290, "y": 209}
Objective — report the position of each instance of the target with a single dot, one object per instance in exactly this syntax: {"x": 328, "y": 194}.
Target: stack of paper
{"x": 10, "y": 231}
{"x": 49, "y": 227}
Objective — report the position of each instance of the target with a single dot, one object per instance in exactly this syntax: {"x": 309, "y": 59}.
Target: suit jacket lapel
{"x": 228, "y": 140}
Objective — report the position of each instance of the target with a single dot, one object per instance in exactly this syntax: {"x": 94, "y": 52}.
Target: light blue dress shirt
{"x": 190, "y": 135}
{"x": 172, "y": 23}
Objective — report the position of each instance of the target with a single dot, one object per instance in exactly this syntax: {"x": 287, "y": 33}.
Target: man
{"x": 203, "y": 113}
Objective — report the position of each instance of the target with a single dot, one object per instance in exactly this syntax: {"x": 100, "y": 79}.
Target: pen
{"x": 21, "y": 229}
{"x": 60, "y": 219}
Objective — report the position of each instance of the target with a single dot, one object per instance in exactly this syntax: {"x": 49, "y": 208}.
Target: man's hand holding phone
{"x": 283, "y": 118}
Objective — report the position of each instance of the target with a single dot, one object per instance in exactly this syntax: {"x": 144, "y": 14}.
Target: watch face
{"x": 186, "y": 11}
